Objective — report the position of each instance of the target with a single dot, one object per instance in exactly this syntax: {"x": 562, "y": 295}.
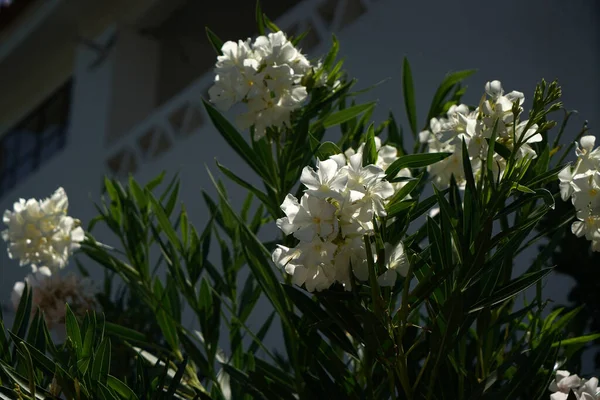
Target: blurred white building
{"x": 93, "y": 88}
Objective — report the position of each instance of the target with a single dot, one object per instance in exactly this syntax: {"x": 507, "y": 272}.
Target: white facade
{"x": 115, "y": 127}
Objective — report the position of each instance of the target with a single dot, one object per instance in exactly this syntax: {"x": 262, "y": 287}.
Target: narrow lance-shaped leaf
{"x": 214, "y": 40}
{"x": 346, "y": 114}
{"x": 414, "y": 161}
{"x": 446, "y": 87}
{"x": 235, "y": 139}
{"x": 370, "y": 150}
{"x": 260, "y": 21}
{"x": 408, "y": 91}
{"x": 511, "y": 289}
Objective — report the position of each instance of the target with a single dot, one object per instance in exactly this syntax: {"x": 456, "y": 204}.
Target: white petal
{"x": 578, "y": 228}
{"x": 310, "y": 179}
{"x": 587, "y": 142}
{"x": 327, "y": 170}
{"x": 388, "y": 278}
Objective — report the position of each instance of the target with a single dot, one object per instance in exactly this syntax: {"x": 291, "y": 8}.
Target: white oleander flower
{"x": 588, "y": 225}
{"x": 275, "y": 49}
{"x": 588, "y": 158}
{"x": 338, "y": 208}
{"x": 368, "y": 187}
{"x": 587, "y": 191}
{"x": 397, "y": 263}
{"x": 309, "y": 263}
{"x": 311, "y": 217}
{"x": 236, "y": 76}
{"x": 39, "y": 231}
{"x": 565, "y": 176}
{"x": 500, "y": 107}
{"x": 351, "y": 255}
{"x": 50, "y": 293}
{"x": 266, "y": 75}
{"x": 329, "y": 180}
{"x": 564, "y": 383}
{"x": 443, "y": 171}
{"x": 589, "y": 389}
{"x": 581, "y": 184}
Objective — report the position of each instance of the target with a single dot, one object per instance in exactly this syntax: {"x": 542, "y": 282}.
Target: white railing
{"x": 184, "y": 114}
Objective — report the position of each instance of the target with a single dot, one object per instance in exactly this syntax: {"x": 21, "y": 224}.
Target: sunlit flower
{"x": 338, "y": 208}
{"x": 266, "y": 75}
{"x": 329, "y": 180}
{"x": 565, "y": 383}
{"x": 39, "y": 231}
{"x": 396, "y": 264}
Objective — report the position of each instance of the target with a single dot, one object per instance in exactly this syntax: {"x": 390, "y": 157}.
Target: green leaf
{"x": 326, "y": 150}
{"x": 235, "y": 139}
{"x": 332, "y": 54}
{"x": 408, "y": 91}
{"x": 23, "y": 314}
{"x": 413, "y": 161}
{"x": 30, "y": 370}
{"x": 104, "y": 392}
{"x": 242, "y": 379}
{"x": 125, "y": 333}
{"x": 407, "y": 189}
{"x": 163, "y": 315}
{"x": 346, "y": 114}
{"x": 370, "y": 150}
{"x": 468, "y": 170}
{"x": 425, "y": 205}
{"x": 89, "y": 326}
{"x": 176, "y": 379}
{"x": 138, "y": 193}
{"x": 444, "y": 89}
{"x": 42, "y": 361}
{"x": 577, "y": 340}
{"x": 269, "y": 24}
{"x": 268, "y": 202}
{"x": 121, "y": 388}
{"x": 155, "y": 181}
{"x": 546, "y": 176}
{"x": 395, "y": 135}
{"x": 205, "y": 295}
{"x": 511, "y": 289}
{"x": 73, "y": 331}
{"x": 101, "y": 365}
{"x": 320, "y": 319}
{"x": 260, "y": 335}
{"x": 260, "y": 22}
{"x": 163, "y": 221}
{"x": 216, "y": 43}
{"x": 258, "y": 260}
{"x": 539, "y": 193}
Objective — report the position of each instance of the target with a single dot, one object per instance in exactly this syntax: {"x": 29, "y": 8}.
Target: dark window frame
{"x": 35, "y": 127}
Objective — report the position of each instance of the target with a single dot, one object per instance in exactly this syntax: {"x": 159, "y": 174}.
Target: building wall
{"x": 514, "y": 41}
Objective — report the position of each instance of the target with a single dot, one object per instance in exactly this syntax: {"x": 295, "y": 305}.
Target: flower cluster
{"x": 266, "y": 75}
{"x": 50, "y": 293}
{"x": 475, "y": 128}
{"x": 338, "y": 208}
{"x": 581, "y": 183}
{"x": 564, "y": 383}
{"x": 41, "y": 233}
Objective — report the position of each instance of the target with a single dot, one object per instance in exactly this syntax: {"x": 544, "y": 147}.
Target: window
{"x": 34, "y": 140}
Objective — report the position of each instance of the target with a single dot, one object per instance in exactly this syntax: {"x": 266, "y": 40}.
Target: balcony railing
{"x": 34, "y": 140}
